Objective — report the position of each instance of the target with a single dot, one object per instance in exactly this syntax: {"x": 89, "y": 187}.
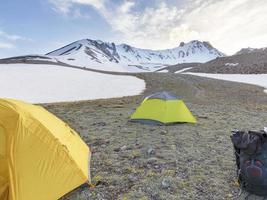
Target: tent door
{"x": 3, "y": 166}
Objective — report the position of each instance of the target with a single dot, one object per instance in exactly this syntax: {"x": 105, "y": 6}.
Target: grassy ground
{"x": 183, "y": 161}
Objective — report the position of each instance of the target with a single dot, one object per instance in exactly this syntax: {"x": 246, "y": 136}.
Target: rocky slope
{"x": 246, "y": 61}
{"x": 249, "y": 50}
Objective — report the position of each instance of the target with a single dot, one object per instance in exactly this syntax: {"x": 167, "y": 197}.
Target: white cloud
{"x": 184, "y": 33}
{"x": 12, "y": 37}
{"x": 9, "y": 41}
{"x": 229, "y": 25}
{"x": 151, "y": 28}
{"x": 4, "y": 45}
{"x": 65, "y": 6}
{"x": 143, "y": 29}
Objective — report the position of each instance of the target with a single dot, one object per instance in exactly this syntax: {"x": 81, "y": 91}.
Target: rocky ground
{"x": 182, "y": 161}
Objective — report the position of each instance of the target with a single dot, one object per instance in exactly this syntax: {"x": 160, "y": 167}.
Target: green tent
{"x": 162, "y": 108}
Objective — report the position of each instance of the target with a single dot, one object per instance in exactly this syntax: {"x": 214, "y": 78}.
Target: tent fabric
{"x": 41, "y": 157}
{"x": 148, "y": 122}
{"x": 163, "y": 111}
{"x": 162, "y": 95}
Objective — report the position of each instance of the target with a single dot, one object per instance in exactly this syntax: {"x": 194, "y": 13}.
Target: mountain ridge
{"x": 250, "y": 50}
{"x": 245, "y": 61}
{"x": 108, "y": 56}
{"x": 97, "y": 52}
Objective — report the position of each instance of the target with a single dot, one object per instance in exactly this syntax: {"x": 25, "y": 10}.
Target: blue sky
{"x": 40, "y": 29}
{"x": 40, "y": 26}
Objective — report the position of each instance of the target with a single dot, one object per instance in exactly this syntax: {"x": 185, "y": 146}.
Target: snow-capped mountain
{"x": 101, "y": 55}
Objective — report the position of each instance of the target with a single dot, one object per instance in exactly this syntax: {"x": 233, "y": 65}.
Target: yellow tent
{"x": 162, "y": 108}
{"x": 41, "y": 157}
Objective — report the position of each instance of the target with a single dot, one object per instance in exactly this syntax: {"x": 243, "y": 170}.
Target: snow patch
{"x": 254, "y": 79}
{"x": 50, "y": 83}
{"x": 231, "y": 64}
{"x": 182, "y": 70}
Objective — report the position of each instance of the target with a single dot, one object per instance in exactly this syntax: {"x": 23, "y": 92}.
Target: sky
{"x": 40, "y": 26}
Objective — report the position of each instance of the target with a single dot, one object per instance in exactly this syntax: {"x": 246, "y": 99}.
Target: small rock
{"x": 151, "y": 151}
{"x": 229, "y": 195}
{"x": 156, "y": 166}
{"x": 132, "y": 178}
{"x": 162, "y": 141}
{"x": 152, "y": 160}
{"x": 163, "y": 132}
{"x": 165, "y": 183}
{"x": 116, "y": 149}
{"x": 102, "y": 123}
{"x": 123, "y": 148}
{"x": 99, "y": 124}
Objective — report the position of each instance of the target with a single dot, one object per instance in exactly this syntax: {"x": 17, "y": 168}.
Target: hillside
{"x": 246, "y": 61}
{"x": 249, "y": 50}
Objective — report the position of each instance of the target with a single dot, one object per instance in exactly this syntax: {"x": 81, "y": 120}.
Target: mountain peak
{"x": 181, "y": 44}
{"x": 98, "y": 52}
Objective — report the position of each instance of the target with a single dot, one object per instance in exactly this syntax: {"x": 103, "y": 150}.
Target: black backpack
{"x": 251, "y": 160}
